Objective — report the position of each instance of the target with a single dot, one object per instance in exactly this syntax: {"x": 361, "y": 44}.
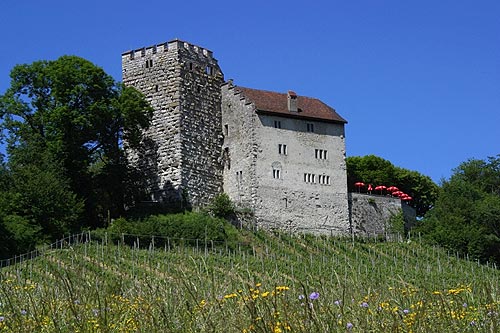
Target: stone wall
{"x": 181, "y": 153}
{"x": 370, "y": 215}
{"x": 240, "y": 151}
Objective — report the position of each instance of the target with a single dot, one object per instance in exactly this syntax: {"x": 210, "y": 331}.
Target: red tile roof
{"x": 274, "y": 103}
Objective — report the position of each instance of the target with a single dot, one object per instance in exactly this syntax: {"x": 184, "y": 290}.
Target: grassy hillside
{"x": 270, "y": 283}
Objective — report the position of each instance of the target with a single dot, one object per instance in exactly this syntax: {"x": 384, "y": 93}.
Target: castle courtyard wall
{"x": 371, "y": 214}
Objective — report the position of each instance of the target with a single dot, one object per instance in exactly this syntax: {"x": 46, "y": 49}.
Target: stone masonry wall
{"x": 370, "y": 214}
{"x": 240, "y": 147}
{"x": 182, "y": 149}
{"x": 292, "y": 202}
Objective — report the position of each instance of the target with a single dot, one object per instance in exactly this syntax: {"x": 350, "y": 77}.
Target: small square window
{"x": 310, "y": 127}
{"x": 277, "y": 124}
{"x": 276, "y": 173}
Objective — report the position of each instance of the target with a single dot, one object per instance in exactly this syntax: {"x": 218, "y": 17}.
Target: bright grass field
{"x": 272, "y": 283}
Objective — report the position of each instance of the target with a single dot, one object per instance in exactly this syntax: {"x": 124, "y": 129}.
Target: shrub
{"x": 171, "y": 229}
{"x": 221, "y": 206}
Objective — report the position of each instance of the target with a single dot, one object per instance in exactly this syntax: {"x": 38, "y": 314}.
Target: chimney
{"x": 292, "y": 102}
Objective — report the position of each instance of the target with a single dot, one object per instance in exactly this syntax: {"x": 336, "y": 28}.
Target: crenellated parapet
{"x": 175, "y": 44}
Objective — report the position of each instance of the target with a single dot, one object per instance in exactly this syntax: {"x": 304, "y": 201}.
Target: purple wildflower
{"x": 24, "y": 312}
{"x": 406, "y": 311}
{"x": 2, "y": 318}
{"x": 364, "y": 305}
{"x": 301, "y": 297}
{"x": 337, "y": 302}
{"x": 465, "y": 305}
{"x": 349, "y": 326}
{"x": 314, "y": 295}
{"x": 473, "y": 323}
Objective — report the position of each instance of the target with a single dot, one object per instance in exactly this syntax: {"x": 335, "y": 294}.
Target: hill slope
{"x": 272, "y": 283}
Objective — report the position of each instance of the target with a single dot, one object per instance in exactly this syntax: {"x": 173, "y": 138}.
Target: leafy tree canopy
{"x": 375, "y": 170}
{"x": 64, "y": 122}
{"x": 466, "y": 217}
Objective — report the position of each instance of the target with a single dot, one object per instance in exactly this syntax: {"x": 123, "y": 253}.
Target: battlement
{"x": 175, "y": 44}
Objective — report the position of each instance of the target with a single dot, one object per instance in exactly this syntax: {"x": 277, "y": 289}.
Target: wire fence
{"x": 152, "y": 242}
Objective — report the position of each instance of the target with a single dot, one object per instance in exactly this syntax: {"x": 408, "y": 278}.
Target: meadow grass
{"x": 272, "y": 283}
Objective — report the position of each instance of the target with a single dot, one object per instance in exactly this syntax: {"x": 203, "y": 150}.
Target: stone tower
{"x": 183, "y": 147}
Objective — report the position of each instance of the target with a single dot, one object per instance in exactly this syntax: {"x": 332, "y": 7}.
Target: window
{"x": 282, "y": 149}
{"x": 321, "y": 154}
{"x": 239, "y": 176}
{"x": 156, "y": 88}
{"x": 310, "y": 178}
{"x": 310, "y": 127}
{"x": 277, "y": 124}
{"x": 208, "y": 70}
{"x": 149, "y": 63}
{"x": 324, "y": 180}
{"x": 227, "y": 158}
{"x": 226, "y": 130}
{"x": 276, "y": 173}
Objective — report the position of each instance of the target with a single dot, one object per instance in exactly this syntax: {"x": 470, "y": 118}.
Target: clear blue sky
{"x": 419, "y": 82}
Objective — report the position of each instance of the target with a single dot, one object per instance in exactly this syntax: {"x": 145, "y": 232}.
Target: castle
{"x": 280, "y": 155}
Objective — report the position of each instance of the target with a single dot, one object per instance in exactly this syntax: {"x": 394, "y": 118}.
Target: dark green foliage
{"x": 221, "y": 206}
{"x": 397, "y": 224}
{"x": 374, "y": 170}
{"x": 64, "y": 122}
{"x": 185, "y": 228}
{"x": 466, "y": 217}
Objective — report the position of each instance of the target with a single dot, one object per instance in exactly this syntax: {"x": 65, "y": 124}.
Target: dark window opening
{"x": 321, "y": 154}
{"x": 277, "y": 124}
{"x": 227, "y": 158}
{"x": 282, "y": 149}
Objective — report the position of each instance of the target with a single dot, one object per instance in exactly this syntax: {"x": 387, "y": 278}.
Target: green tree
{"x": 375, "y": 170}
{"x": 466, "y": 217}
{"x": 64, "y": 123}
